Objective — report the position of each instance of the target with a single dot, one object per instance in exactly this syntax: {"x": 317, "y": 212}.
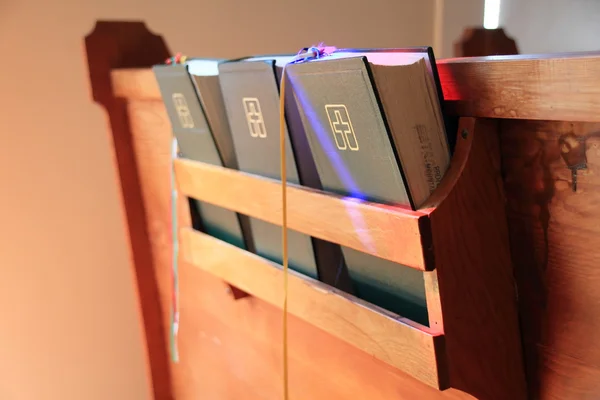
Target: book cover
{"x": 250, "y": 90}
{"x": 198, "y": 142}
{"x": 346, "y": 130}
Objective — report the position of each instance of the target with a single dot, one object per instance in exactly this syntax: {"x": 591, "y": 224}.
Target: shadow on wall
{"x": 130, "y": 45}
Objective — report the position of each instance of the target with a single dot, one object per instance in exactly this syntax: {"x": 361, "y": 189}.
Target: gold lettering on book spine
{"x": 433, "y": 173}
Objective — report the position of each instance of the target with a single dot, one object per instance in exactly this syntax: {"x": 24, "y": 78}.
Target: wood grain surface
{"x": 555, "y": 237}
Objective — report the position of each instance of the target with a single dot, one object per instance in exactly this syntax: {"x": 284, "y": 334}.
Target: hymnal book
{"x": 380, "y": 110}
{"x": 250, "y": 90}
{"x": 375, "y": 127}
{"x": 202, "y": 132}
{"x": 205, "y": 76}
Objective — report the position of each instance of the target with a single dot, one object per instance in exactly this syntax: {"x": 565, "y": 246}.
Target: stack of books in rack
{"x": 364, "y": 123}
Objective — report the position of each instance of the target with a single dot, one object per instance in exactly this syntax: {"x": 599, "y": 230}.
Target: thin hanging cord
{"x": 303, "y": 55}
{"x": 284, "y": 232}
{"x": 177, "y": 59}
{"x": 175, "y": 259}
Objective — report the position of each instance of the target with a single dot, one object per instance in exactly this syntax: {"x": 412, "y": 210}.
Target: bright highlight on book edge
{"x": 491, "y": 14}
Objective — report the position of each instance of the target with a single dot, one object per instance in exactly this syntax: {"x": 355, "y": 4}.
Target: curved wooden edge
{"x": 396, "y": 234}
{"x": 564, "y": 87}
{"x": 122, "y": 44}
{"x": 404, "y": 344}
{"x": 460, "y": 159}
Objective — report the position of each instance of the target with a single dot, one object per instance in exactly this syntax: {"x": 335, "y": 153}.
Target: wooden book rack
{"x": 459, "y": 239}
{"x": 339, "y": 346}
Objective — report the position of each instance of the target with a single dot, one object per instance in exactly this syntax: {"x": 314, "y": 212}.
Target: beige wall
{"x": 451, "y": 17}
{"x": 548, "y": 26}
{"x": 70, "y": 327}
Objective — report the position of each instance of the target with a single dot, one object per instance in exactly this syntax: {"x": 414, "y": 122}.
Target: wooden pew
{"x": 529, "y": 130}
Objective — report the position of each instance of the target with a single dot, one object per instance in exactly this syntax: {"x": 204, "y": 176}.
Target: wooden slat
{"x": 397, "y": 341}
{"x": 559, "y": 87}
{"x": 388, "y": 232}
{"x": 562, "y": 88}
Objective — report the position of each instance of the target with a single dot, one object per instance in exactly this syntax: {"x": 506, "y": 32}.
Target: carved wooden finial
{"x": 478, "y": 42}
